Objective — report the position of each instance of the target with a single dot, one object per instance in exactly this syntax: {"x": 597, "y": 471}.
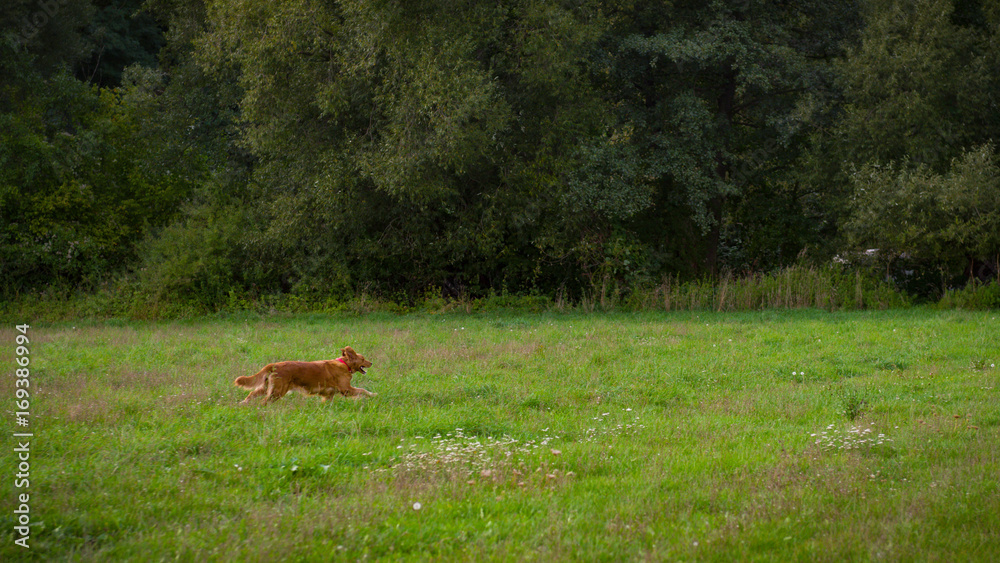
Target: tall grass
{"x": 830, "y": 288}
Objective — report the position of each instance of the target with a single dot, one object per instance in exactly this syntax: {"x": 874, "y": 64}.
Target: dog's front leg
{"x": 357, "y": 392}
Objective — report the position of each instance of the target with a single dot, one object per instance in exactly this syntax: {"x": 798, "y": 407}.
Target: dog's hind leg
{"x": 276, "y": 389}
{"x": 260, "y": 379}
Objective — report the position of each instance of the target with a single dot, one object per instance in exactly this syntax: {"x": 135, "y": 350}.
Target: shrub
{"x": 191, "y": 260}
{"x": 975, "y": 295}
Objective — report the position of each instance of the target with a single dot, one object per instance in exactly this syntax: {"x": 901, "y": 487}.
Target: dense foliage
{"x": 201, "y": 149}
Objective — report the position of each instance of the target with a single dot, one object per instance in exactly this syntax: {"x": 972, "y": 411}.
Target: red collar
{"x": 343, "y": 361}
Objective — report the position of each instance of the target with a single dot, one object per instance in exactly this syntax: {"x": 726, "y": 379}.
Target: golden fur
{"x": 325, "y": 378}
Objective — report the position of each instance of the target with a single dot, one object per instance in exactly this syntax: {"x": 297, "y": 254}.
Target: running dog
{"x": 325, "y": 378}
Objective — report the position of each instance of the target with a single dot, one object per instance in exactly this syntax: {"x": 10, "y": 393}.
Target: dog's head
{"x": 355, "y": 361}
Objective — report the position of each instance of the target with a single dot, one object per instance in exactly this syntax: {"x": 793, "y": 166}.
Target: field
{"x": 770, "y": 436}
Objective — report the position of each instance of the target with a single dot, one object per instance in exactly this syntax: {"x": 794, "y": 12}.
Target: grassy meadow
{"x": 766, "y": 436}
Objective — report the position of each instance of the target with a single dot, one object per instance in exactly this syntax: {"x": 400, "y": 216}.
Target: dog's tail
{"x": 253, "y": 381}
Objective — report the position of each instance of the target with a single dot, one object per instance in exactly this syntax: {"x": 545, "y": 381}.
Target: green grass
{"x": 770, "y": 436}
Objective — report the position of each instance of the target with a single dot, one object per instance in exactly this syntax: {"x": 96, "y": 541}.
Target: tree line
{"x": 193, "y": 149}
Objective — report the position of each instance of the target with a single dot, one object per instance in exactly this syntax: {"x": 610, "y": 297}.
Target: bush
{"x": 192, "y": 261}
{"x": 975, "y": 295}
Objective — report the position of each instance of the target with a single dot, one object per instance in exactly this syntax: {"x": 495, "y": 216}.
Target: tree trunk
{"x": 726, "y": 103}
{"x": 714, "y": 237}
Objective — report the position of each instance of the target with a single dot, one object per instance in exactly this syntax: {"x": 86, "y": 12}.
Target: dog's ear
{"x": 348, "y": 352}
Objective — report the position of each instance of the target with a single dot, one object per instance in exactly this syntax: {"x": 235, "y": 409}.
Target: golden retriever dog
{"x": 325, "y": 378}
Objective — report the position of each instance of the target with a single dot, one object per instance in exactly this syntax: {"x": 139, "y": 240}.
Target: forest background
{"x": 192, "y": 155}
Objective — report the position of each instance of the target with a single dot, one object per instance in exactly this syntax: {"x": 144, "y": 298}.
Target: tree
{"x": 81, "y": 181}
{"x": 420, "y": 143}
{"x": 50, "y": 33}
{"x": 909, "y": 165}
{"x": 920, "y": 85}
{"x": 121, "y": 35}
{"x": 714, "y": 102}
{"x": 948, "y": 220}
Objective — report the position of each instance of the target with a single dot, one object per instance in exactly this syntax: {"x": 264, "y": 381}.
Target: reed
{"x": 796, "y": 287}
